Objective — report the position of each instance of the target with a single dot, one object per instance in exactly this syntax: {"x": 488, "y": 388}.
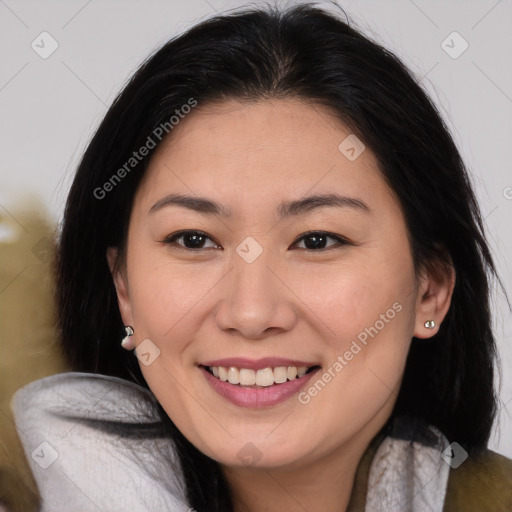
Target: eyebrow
{"x": 285, "y": 209}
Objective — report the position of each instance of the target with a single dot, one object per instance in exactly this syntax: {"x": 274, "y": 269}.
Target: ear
{"x": 121, "y": 285}
{"x": 434, "y": 298}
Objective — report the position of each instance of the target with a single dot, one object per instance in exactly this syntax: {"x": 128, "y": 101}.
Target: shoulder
{"x": 97, "y": 433}
{"x": 481, "y": 483}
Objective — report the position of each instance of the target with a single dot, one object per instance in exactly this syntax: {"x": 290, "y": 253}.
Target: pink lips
{"x": 257, "y": 397}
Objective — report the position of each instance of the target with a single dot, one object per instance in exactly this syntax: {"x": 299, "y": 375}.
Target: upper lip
{"x": 257, "y": 364}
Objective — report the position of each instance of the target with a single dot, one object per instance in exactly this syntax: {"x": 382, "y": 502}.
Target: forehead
{"x": 261, "y": 149}
{"x": 259, "y": 128}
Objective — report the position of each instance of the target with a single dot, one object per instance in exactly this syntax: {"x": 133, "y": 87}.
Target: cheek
{"x": 164, "y": 294}
{"x": 354, "y": 295}
{"x": 369, "y": 313}
{"x": 370, "y": 317}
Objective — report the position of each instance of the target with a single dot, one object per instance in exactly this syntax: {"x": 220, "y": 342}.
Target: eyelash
{"x": 175, "y": 236}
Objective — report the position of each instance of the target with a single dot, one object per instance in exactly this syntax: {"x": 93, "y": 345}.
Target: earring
{"x": 430, "y": 324}
{"x": 127, "y": 342}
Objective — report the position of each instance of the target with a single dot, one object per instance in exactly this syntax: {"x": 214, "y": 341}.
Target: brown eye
{"x": 317, "y": 240}
{"x": 192, "y": 240}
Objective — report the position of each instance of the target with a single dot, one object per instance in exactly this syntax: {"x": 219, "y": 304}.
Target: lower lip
{"x": 257, "y": 397}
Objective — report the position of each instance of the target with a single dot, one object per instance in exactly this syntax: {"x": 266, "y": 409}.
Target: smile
{"x": 263, "y": 377}
{"x": 256, "y": 384}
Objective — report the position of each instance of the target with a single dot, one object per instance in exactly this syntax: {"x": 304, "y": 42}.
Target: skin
{"x": 203, "y": 304}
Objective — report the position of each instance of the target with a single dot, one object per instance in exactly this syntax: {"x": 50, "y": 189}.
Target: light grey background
{"x": 50, "y": 107}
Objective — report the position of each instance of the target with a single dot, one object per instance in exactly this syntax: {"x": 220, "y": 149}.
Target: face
{"x": 252, "y": 273}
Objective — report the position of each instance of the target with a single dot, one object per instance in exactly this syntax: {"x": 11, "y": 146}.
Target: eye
{"x": 315, "y": 241}
{"x": 191, "y": 239}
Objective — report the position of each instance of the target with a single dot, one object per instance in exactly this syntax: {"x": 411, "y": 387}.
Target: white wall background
{"x": 50, "y": 107}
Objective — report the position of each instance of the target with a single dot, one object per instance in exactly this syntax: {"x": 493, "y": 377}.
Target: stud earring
{"x": 430, "y": 324}
{"x": 127, "y": 341}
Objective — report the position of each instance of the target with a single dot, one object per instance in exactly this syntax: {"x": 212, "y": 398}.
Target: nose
{"x": 256, "y": 301}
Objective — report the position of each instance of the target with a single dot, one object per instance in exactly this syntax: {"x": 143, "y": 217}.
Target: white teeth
{"x": 280, "y": 374}
{"x": 301, "y": 370}
{"x": 233, "y": 377}
{"x": 247, "y": 377}
{"x": 263, "y": 377}
{"x": 291, "y": 372}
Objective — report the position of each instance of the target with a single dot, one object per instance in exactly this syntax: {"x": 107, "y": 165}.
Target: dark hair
{"x": 308, "y": 53}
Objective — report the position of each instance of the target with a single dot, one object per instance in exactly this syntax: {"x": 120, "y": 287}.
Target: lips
{"x": 257, "y": 383}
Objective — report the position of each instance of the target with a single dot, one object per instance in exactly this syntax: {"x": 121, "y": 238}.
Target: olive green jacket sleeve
{"x": 480, "y": 484}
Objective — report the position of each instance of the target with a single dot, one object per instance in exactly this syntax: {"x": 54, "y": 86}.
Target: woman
{"x": 274, "y": 216}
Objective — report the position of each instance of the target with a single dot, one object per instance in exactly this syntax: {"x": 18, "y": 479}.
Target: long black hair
{"x": 303, "y": 52}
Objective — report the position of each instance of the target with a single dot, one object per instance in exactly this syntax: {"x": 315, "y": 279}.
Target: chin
{"x": 255, "y": 453}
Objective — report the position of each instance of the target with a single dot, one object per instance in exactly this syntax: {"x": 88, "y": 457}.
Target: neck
{"x": 327, "y": 484}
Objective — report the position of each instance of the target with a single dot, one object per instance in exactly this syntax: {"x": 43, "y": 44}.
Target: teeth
{"x": 280, "y": 374}
{"x": 301, "y": 370}
{"x": 263, "y": 377}
{"x": 233, "y": 377}
{"x": 247, "y": 377}
{"x": 291, "y": 373}
{"x": 223, "y": 373}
